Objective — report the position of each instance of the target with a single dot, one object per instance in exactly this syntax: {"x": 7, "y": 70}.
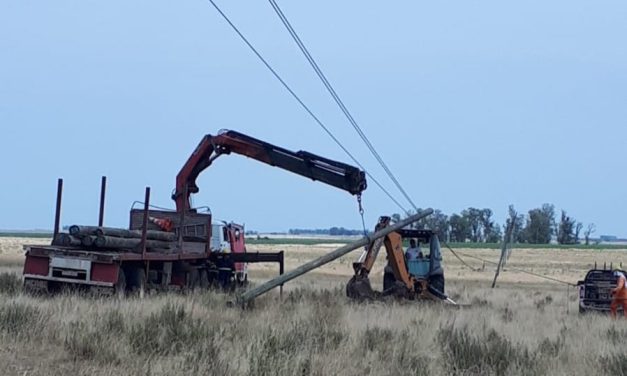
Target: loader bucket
{"x": 358, "y": 288}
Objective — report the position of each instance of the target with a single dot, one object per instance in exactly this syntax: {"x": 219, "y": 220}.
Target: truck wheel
{"x": 204, "y": 279}
{"x": 193, "y": 278}
{"x": 35, "y": 287}
{"x": 119, "y": 289}
{"x": 137, "y": 282}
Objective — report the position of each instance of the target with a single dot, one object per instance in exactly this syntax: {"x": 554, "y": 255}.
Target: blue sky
{"x": 479, "y": 104}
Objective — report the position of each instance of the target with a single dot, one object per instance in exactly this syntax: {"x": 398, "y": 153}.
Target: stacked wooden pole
{"x": 112, "y": 238}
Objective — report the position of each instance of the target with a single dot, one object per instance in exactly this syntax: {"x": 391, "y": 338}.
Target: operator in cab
{"x": 413, "y": 252}
{"x": 619, "y": 294}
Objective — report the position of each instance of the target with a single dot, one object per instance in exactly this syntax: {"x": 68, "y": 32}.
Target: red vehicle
{"x": 180, "y": 248}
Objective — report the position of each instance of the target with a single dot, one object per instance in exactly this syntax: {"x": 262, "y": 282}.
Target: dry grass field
{"x": 526, "y": 326}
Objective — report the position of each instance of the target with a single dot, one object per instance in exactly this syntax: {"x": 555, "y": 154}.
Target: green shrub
{"x": 169, "y": 331}
{"x": 289, "y": 349}
{"x": 616, "y": 336}
{"x": 84, "y": 343}
{"x": 551, "y": 348}
{"x": 488, "y": 353}
{"x": 405, "y": 360}
{"x": 113, "y": 322}
{"x": 204, "y": 359}
{"x": 377, "y": 339}
{"x": 10, "y": 283}
{"x": 615, "y": 364}
{"x": 18, "y": 318}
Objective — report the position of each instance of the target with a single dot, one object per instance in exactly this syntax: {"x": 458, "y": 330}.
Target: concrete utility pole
{"x": 249, "y": 295}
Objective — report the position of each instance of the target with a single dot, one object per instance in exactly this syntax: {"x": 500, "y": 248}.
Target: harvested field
{"x": 526, "y": 326}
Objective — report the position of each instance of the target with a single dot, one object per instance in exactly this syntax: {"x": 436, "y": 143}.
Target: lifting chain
{"x": 361, "y": 213}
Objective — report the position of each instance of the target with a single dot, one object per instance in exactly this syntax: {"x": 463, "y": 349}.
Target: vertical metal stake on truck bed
{"x": 103, "y": 188}
{"x": 281, "y": 271}
{"x": 145, "y": 222}
{"x": 57, "y": 213}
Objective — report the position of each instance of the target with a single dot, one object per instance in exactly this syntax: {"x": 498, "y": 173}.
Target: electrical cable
{"x": 459, "y": 258}
{"x": 337, "y": 99}
{"x": 303, "y": 105}
{"x": 357, "y": 128}
{"x": 508, "y": 268}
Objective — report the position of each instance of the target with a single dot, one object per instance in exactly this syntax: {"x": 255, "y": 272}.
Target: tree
{"x": 473, "y": 217}
{"x": 491, "y": 231}
{"x": 519, "y": 224}
{"x": 495, "y": 235}
{"x": 578, "y": 228}
{"x": 566, "y": 229}
{"x": 459, "y": 228}
{"x": 438, "y": 222}
{"x": 540, "y": 225}
{"x": 589, "y": 231}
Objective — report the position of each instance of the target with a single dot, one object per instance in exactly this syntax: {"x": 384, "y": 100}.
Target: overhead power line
{"x": 302, "y": 104}
{"x": 338, "y": 100}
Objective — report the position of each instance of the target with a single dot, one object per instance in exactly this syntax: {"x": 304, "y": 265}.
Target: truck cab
{"x": 229, "y": 238}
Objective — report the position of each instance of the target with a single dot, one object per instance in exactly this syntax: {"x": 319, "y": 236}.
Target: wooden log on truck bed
{"x": 76, "y": 230}
{"x": 67, "y": 240}
{"x": 88, "y": 240}
{"x": 126, "y": 243}
{"x": 136, "y": 234}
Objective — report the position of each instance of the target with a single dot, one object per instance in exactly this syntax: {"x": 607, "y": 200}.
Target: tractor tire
{"x": 137, "y": 282}
{"x": 119, "y": 289}
{"x": 203, "y": 277}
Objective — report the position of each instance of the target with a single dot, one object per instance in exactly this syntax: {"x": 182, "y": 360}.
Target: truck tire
{"x": 203, "y": 279}
{"x": 193, "y": 279}
{"x": 119, "y": 289}
{"x": 137, "y": 282}
{"x": 242, "y": 281}
{"x": 35, "y": 287}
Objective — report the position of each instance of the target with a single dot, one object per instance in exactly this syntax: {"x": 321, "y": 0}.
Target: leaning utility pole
{"x": 249, "y": 295}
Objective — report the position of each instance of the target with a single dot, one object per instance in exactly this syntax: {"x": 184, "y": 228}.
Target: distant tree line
{"x": 334, "y": 231}
{"x": 475, "y": 225}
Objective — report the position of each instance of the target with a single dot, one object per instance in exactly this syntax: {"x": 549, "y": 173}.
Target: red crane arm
{"x": 337, "y": 174}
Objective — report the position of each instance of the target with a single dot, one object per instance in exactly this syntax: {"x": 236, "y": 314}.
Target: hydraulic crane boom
{"x": 337, "y": 174}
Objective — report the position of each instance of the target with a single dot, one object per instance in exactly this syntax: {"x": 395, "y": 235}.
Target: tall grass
{"x": 309, "y": 332}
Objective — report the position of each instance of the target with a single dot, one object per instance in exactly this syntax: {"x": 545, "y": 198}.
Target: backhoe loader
{"x": 420, "y": 278}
